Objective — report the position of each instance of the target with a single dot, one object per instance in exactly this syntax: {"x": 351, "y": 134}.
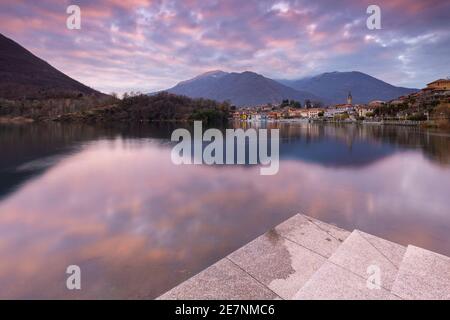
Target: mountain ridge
{"x": 242, "y": 89}
{"x": 334, "y": 87}
{"x": 250, "y": 88}
{"x": 24, "y": 75}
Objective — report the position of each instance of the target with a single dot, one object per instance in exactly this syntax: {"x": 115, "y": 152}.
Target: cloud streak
{"x": 149, "y": 45}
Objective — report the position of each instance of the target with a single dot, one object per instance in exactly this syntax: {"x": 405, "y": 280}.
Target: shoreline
{"x": 15, "y": 120}
{"x": 401, "y": 123}
{"x": 418, "y": 124}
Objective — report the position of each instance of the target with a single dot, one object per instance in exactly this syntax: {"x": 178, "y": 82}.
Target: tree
{"x": 442, "y": 111}
{"x": 284, "y": 103}
{"x": 317, "y": 104}
{"x": 308, "y": 104}
{"x": 296, "y": 104}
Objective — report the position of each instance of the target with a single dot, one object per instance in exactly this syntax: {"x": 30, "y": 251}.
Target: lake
{"x": 109, "y": 200}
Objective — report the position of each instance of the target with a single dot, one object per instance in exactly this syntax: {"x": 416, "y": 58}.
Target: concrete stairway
{"x": 423, "y": 275}
{"x": 304, "y": 258}
{"x": 347, "y": 274}
{"x": 404, "y": 273}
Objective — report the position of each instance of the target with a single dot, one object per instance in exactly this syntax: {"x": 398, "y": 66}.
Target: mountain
{"x": 333, "y": 87}
{"x": 241, "y": 89}
{"x": 23, "y": 75}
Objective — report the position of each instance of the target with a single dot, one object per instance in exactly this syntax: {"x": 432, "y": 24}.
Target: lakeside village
{"x": 430, "y": 105}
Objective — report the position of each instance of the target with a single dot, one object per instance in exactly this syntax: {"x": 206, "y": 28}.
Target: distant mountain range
{"x": 241, "y": 89}
{"x": 333, "y": 87}
{"x": 249, "y": 88}
{"x": 23, "y": 75}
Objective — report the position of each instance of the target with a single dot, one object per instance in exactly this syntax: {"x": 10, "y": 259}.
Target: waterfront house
{"x": 304, "y": 113}
{"x": 259, "y": 117}
{"x": 314, "y": 112}
{"x": 344, "y": 107}
{"x": 274, "y": 115}
{"x": 436, "y": 91}
{"x": 365, "y": 111}
{"x": 438, "y": 85}
{"x": 333, "y": 111}
{"x": 297, "y": 113}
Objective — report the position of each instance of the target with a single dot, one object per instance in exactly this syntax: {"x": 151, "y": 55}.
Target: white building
{"x": 314, "y": 112}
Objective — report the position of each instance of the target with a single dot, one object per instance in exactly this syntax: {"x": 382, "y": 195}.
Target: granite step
{"x": 423, "y": 274}
{"x": 223, "y": 281}
{"x": 349, "y": 273}
{"x": 304, "y": 258}
{"x": 284, "y": 258}
{"x": 273, "y": 266}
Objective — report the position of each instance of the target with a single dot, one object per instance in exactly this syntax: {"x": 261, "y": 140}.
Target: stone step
{"x": 224, "y": 281}
{"x": 349, "y": 273}
{"x": 304, "y": 258}
{"x": 273, "y": 266}
{"x": 423, "y": 274}
{"x": 284, "y": 258}
{"x": 313, "y": 234}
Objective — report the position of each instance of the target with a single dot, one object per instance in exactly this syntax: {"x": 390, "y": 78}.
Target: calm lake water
{"x": 111, "y": 201}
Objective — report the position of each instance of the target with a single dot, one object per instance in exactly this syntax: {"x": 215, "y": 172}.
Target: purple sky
{"x": 146, "y": 45}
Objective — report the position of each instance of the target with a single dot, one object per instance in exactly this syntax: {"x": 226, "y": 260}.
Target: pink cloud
{"x": 184, "y": 38}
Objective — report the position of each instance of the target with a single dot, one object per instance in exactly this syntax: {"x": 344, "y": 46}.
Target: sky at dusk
{"x": 148, "y": 45}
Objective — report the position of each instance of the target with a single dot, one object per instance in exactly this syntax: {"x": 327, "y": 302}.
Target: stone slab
{"x": 322, "y": 238}
{"x": 423, "y": 275}
{"x": 391, "y": 250}
{"x": 335, "y": 231}
{"x": 225, "y": 281}
{"x": 332, "y": 282}
{"x": 278, "y": 263}
{"x": 366, "y": 255}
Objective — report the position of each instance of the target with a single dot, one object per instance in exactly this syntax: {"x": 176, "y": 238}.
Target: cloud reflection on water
{"x": 138, "y": 225}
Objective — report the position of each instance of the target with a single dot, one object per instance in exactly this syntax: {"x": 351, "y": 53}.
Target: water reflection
{"x": 111, "y": 201}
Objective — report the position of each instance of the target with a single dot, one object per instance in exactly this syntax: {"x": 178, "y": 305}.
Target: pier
{"x": 306, "y": 259}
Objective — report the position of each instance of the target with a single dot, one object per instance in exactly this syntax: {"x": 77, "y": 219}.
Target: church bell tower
{"x": 349, "y": 98}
